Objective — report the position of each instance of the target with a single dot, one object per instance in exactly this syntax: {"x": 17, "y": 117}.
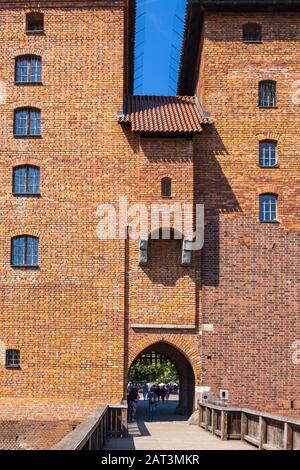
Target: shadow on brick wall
{"x": 214, "y": 191}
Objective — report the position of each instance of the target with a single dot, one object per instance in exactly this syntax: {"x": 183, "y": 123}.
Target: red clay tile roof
{"x": 163, "y": 114}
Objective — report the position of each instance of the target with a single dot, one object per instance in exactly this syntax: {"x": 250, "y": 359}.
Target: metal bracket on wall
{"x": 143, "y": 251}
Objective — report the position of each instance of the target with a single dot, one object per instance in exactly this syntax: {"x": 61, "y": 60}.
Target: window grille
{"x": 26, "y": 180}
{"x": 28, "y": 69}
{"x": 12, "y": 358}
{"x": 25, "y": 251}
{"x": 27, "y": 122}
{"x": 267, "y": 208}
{"x": 267, "y": 94}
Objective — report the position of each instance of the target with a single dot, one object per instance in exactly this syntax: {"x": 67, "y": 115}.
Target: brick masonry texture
{"x": 67, "y": 317}
{"x": 32, "y": 435}
{"x": 71, "y": 318}
{"x": 250, "y": 271}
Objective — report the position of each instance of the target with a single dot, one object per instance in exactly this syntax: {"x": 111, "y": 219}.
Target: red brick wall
{"x": 64, "y": 317}
{"x": 250, "y": 271}
{"x": 32, "y": 435}
{"x": 70, "y": 317}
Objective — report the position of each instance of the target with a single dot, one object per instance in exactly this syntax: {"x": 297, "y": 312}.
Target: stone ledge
{"x": 163, "y": 326}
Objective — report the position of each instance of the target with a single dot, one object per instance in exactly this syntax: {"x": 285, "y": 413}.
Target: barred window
{"x": 252, "y": 32}
{"x": 12, "y": 358}
{"x": 166, "y": 187}
{"x": 267, "y": 207}
{"x": 24, "y": 251}
{"x": 34, "y": 22}
{"x": 27, "y": 122}
{"x": 267, "y": 154}
{"x": 26, "y": 180}
{"x": 267, "y": 94}
{"x": 28, "y": 69}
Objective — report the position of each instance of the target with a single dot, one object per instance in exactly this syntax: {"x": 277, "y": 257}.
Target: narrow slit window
{"x": 166, "y": 187}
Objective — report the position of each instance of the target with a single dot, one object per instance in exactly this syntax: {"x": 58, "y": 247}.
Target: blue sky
{"x": 159, "y": 29}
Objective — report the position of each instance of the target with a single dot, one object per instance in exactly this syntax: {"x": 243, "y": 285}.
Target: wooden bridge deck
{"x": 169, "y": 432}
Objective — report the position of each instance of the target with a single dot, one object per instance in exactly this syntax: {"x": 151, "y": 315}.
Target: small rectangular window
{"x": 34, "y": 22}
{"x": 267, "y": 154}
{"x": 268, "y": 208}
{"x": 25, "y": 251}
{"x": 252, "y": 32}
{"x": 26, "y": 180}
{"x": 28, "y": 70}
{"x": 27, "y": 122}
{"x": 267, "y": 94}
{"x": 12, "y": 358}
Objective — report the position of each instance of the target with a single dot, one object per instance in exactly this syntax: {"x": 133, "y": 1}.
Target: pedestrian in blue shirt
{"x": 152, "y": 404}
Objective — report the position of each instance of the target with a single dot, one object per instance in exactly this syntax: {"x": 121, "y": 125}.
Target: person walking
{"x": 163, "y": 392}
{"x": 132, "y": 401}
{"x": 145, "y": 391}
{"x": 152, "y": 404}
{"x": 168, "y": 389}
{"x": 157, "y": 391}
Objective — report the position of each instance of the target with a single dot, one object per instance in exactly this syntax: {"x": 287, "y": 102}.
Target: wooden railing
{"x": 91, "y": 434}
{"x": 264, "y": 430}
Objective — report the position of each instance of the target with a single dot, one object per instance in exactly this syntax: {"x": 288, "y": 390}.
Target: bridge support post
{"x": 288, "y": 437}
{"x": 262, "y": 436}
{"x": 244, "y": 425}
{"x": 224, "y": 425}
{"x": 213, "y": 424}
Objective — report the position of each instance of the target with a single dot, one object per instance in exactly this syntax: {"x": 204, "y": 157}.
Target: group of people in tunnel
{"x": 153, "y": 393}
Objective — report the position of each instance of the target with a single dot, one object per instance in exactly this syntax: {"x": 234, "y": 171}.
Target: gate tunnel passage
{"x": 185, "y": 373}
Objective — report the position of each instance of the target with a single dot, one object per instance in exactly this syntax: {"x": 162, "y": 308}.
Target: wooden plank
{"x": 287, "y": 437}
{"x": 269, "y": 447}
{"x": 244, "y": 425}
{"x": 206, "y": 419}
{"x": 224, "y": 425}
{"x": 213, "y": 424}
{"x": 251, "y": 440}
{"x": 124, "y": 423}
{"x": 199, "y": 415}
{"x": 262, "y": 432}
{"x": 234, "y": 423}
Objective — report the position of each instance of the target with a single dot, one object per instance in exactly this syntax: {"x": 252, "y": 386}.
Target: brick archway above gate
{"x": 186, "y": 344}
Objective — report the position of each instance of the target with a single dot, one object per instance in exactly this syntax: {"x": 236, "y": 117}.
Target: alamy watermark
{"x": 138, "y": 221}
{"x": 296, "y": 352}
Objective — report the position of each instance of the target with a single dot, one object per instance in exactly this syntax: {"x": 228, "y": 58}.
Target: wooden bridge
{"x": 218, "y": 429}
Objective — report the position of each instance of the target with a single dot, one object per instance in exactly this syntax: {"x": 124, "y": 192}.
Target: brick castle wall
{"x": 64, "y": 317}
{"x": 70, "y": 317}
{"x": 250, "y": 271}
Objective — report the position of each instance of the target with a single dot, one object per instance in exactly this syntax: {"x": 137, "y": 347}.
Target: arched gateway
{"x": 185, "y": 373}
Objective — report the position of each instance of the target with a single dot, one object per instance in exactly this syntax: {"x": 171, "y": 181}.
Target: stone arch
{"x": 186, "y": 372}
